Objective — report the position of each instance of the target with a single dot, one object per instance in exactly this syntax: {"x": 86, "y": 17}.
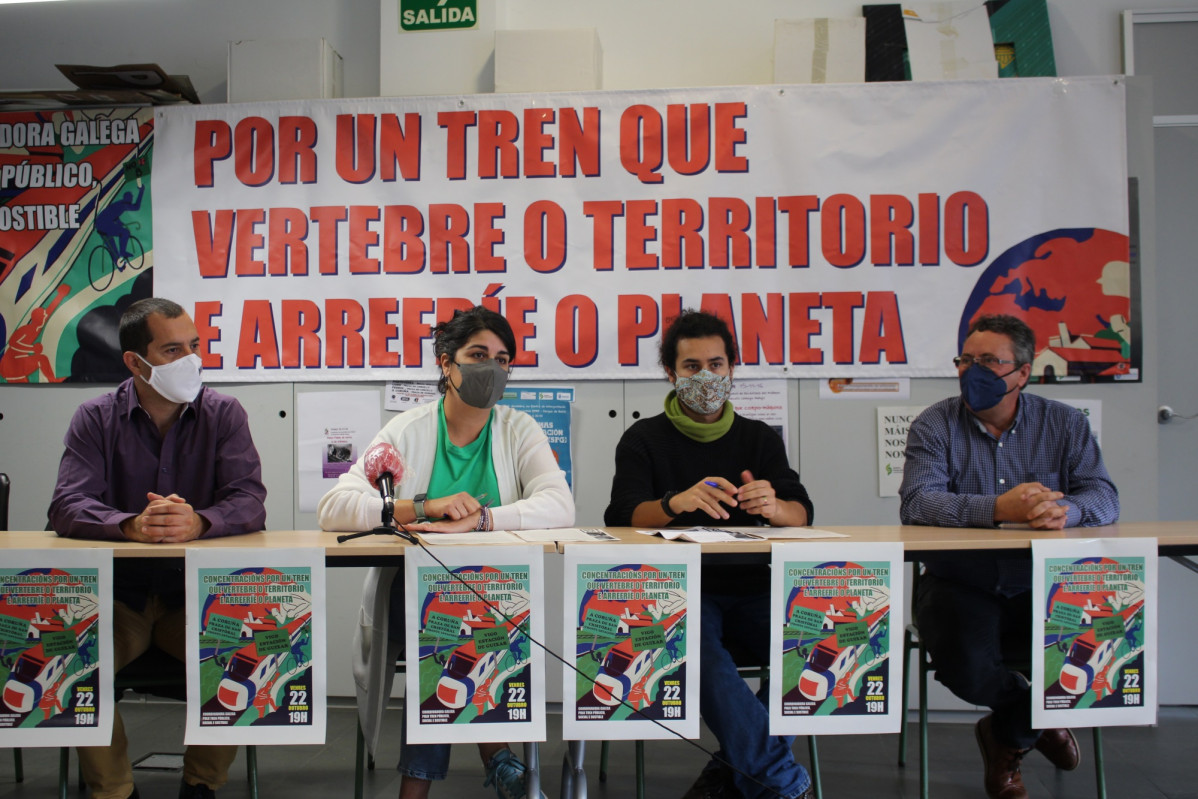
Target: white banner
{"x": 1094, "y": 635}
{"x": 846, "y": 231}
{"x": 255, "y": 647}
{"x": 477, "y": 675}
{"x": 836, "y": 652}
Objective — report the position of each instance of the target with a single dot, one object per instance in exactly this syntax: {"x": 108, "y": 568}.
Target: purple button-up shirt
{"x": 114, "y": 455}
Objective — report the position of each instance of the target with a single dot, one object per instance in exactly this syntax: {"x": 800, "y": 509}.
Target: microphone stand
{"x": 388, "y": 516}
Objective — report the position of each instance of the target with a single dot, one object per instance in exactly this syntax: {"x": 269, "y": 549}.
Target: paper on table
{"x": 474, "y": 539}
{"x": 704, "y": 535}
{"x": 788, "y": 533}
{"x": 563, "y": 534}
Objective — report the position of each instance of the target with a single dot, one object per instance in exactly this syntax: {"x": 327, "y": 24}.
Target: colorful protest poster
{"x": 631, "y": 633}
{"x": 55, "y": 648}
{"x": 255, "y": 646}
{"x": 474, "y": 615}
{"x": 550, "y": 406}
{"x": 76, "y": 239}
{"x": 836, "y": 661}
{"x": 1094, "y": 633}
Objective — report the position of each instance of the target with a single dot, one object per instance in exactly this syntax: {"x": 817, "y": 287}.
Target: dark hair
{"x": 452, "y": 335}
{"x": 694, "y": 324}
{"x": 1023, "y": 339}
{"x": 135, "y": 326}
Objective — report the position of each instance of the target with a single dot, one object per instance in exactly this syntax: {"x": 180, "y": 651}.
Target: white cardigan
{"x": 533, "y": 494}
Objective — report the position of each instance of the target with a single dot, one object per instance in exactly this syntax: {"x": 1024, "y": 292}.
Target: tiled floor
{"x": 1142, "y": 763}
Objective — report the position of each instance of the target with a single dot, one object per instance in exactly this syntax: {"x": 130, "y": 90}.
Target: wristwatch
{"x": 665, "y": 504}
{"x": 418, "y": 507}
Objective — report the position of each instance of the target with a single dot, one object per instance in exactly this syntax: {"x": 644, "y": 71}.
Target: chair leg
{"x": 603, "y": 761}
{"x": 532, "y": 769}
{"x": 18, "y": 765}
{"x": 640, "y": 770}
{"x": 359, "y": 764}
{"x": 1099, "y": 769}
{"x": 64, "y": 771}
{"x": 813, "y": 752}
{"x": 251, "y": 770}
{"x": 923, "y": 723}
{"x": 902, "y": 753}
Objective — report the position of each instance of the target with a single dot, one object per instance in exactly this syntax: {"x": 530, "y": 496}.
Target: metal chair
{"x": 747, "y": 671}
{"x": 912, "y": 642}
{"x": 156, "y": 673}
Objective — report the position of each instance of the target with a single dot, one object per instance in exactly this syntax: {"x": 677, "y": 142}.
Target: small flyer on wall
{"x": 631, "y": 621}
{"x": 551, "y": 407}
{"x": 478, "y": 676}
{"x": 55, "y": 648}
{"x": 1094, "y": 634}
{"x": 837, "y": 615}
{"x": 255, "y": 647}
{"x": 333, "y": 429}
{"x": 893, "y": 424}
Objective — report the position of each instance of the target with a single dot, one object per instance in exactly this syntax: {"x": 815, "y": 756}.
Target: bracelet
{"x": 665, "y": 503}
{"x": 484, "y": 520}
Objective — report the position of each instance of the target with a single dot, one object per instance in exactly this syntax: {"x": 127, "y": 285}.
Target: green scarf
{"x": 703, "y": 433}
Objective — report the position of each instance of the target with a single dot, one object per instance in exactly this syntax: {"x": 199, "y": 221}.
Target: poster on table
{"x": 255, "y": 646}
{"x": 473, "y": 618}
{"x": 631, "y": 633}
{"x": 55, "y": 648}
{"x": 837, "y": 615}
{"x": 1094, "y": 639}
{"x": 76, "y": 239}
{"x": 845, "y": 231}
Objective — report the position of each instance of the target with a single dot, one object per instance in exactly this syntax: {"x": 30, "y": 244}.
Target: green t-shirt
{"x": 467, "y": 468}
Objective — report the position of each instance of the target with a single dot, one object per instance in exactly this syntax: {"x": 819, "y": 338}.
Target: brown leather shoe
{"x": 1002, "y": 780}
{"x": 1060, "y": 747}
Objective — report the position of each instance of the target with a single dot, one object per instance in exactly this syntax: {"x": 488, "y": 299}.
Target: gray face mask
{"x": 482, "y": 383}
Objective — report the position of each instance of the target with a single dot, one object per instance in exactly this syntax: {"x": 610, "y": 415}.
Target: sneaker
{"x": 713, "y": 783}
{"x": 506, "y": 773}
{"x": 187, "y": 791}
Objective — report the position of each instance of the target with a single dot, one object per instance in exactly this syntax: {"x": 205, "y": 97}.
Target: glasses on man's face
{"x": 988, "y": 361}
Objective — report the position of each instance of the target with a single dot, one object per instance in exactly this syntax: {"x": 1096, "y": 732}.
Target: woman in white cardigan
{"x": 455, "y": 451}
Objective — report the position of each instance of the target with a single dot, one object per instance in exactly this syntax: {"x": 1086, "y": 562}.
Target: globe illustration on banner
{"x": 1073, "y": 288}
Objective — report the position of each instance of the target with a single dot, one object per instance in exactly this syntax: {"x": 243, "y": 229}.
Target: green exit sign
{"x": 437, "y": 15}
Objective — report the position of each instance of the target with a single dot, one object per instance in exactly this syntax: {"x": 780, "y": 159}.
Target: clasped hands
{"x": 166, "y": 520}
{"x": 1033, "y": 504}
{"x": 711, "y": 494}
{"x": 456, "y": 513}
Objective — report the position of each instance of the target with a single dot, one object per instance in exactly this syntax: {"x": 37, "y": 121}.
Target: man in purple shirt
{"x": 160, "y": 460}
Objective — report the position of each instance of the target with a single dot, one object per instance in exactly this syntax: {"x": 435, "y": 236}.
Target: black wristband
{"x": 665, "y": 503}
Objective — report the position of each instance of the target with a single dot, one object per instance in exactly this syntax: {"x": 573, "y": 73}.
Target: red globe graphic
{"x": 1073, "y": 288}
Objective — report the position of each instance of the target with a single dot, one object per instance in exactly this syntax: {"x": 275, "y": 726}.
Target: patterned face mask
{"x": 704, "y": 392}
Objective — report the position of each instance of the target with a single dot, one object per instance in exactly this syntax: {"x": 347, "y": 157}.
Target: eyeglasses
{"x": 988, "y": 361}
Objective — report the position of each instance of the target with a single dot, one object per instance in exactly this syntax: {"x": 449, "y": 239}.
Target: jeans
{"x": 422, "y": 761}
{"x": 980, "y": 645}
{"x": 740, "y": 719}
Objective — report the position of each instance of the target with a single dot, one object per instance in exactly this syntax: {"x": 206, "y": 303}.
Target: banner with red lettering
{"x": 843, "y": 230}
{"x": 76, "y": 244}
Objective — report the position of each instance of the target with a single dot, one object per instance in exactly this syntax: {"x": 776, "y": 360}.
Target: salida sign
{"x": 437, "y": 15}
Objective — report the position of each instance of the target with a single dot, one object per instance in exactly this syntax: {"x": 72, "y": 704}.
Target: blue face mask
{"x": 982, "y": 389}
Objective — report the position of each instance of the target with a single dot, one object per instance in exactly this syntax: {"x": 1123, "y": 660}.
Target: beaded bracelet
{"x": 484, "y": 520}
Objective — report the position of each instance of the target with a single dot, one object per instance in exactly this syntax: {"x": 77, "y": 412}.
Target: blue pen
{"x": 711, "y": 483}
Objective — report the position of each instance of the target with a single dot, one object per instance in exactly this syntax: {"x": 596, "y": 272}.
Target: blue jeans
{"x": 979, "y": 643}
{"x": 422, "y": 761}
{"x": 740, "y": 719}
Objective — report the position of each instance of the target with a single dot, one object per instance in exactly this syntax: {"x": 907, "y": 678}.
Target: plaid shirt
{"x": 955, "y": 471}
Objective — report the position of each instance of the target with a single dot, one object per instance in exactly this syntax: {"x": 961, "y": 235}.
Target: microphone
{"x": 384, "y": 468}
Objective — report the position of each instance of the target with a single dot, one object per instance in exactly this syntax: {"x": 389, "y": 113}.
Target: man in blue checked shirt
{"x": 988, "y": 457}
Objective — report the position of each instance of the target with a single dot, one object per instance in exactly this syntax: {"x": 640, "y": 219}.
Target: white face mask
{"x": 177, "y": 381}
